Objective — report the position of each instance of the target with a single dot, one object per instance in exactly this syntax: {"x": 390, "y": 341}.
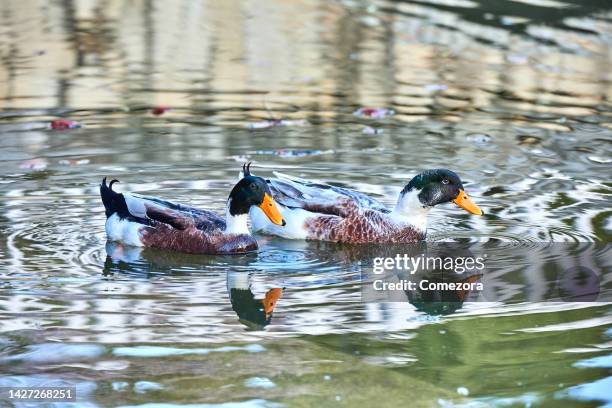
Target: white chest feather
{"x": 122, "y": 230}
{"x": 409, "y": 210}
{"x": 236, "y": 224}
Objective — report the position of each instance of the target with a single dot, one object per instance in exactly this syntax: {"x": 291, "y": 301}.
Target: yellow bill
{"x": 463, "y": 201}
{"x": 268, "y": 206}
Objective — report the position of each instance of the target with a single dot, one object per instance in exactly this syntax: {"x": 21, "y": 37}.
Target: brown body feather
{"x": 341, "y": 215}
{"x": 196, "y": 234}
{"x": 195, "y": 241}
{"x": 358, "y": 226}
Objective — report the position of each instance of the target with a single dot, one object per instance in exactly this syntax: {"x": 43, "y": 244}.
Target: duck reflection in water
{"x": 255, "y": 313}
{"x": 254, "y": 304}
{"x": 430, "y": 289}
{"x": 440, "y": 301}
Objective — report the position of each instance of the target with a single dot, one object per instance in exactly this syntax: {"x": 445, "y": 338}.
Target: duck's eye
{"x": 254, "y": 186}
{"x": 445, "y": 181}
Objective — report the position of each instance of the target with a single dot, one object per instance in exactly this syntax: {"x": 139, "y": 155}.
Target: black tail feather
{"x": 110, "y": 198}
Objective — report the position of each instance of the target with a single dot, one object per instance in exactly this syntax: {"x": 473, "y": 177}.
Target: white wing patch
{"x": 136, "y": 204}
{"x": 297, "y": 192}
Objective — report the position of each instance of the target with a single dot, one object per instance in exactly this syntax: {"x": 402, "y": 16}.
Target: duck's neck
{"x": 235, "y": 224}
{"x": 409, "y": 210}
{"x": 238, "y": 280}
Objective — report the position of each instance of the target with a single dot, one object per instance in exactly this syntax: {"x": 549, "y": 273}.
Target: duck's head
{"x": 433, "y": 187}
{"x": 254, "y": 313}
{"x": 252, "y": 190}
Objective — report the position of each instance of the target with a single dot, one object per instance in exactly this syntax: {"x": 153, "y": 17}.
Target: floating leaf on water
{"x": 374, "y": 113}
{"x": 34, "y": 164}
{"x": 372, "y": 131}
{"x": 160, "y": 110}
{"x": 61, "y": 124}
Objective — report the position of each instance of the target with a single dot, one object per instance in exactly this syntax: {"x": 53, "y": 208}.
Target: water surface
{"x": 514, "y": 96}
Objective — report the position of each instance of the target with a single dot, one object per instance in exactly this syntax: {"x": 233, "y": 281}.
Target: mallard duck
{"x": 138, "y": 220}
{"x": 328, "y": 213}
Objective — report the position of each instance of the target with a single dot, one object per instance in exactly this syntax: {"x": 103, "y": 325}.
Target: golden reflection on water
{"x": 252, "y": 56}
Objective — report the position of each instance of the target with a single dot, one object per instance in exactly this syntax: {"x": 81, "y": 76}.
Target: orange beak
{"x": 270, "y": 300}
{"x": 268, "y": 206}
{"x": 463, "y": 201}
